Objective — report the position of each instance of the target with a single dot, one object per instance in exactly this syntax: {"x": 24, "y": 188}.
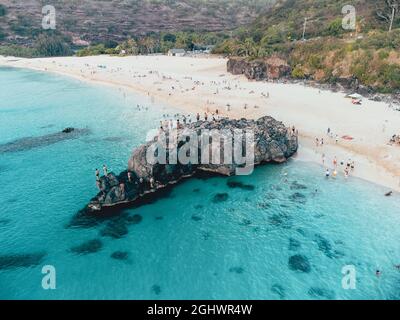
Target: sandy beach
{"x": 203, "y": 85}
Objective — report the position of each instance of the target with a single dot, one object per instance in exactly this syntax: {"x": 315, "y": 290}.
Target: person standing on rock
{"x": 122, "y": 187}
{"x": 130, "y": 177}
{"x": 97, "y": 175}
{"x": 105, "y": 170}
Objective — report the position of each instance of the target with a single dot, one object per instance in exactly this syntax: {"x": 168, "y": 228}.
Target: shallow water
{"x": 206, "y": 239}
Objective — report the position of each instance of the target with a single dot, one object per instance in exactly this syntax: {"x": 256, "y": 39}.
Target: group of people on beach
{"x": 348, "y": 167}
{"x": 179, "y": 121}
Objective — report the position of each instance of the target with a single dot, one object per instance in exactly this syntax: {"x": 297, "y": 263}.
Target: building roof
{"x": 177, "y": 51}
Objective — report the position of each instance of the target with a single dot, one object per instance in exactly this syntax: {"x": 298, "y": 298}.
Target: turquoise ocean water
{"x": 187, "y": 245}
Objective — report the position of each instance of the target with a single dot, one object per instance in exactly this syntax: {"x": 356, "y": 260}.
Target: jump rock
{"x": 272, "y": 142}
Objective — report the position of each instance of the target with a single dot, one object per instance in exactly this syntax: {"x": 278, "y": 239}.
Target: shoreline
{"x": 197, "y": 84}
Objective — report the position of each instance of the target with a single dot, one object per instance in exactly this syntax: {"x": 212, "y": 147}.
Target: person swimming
{"x": 328, "y": 173}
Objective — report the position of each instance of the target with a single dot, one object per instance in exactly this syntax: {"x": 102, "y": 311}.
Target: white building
{"x": 176, "y": 52}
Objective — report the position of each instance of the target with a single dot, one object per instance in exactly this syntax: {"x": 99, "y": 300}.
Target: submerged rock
{"x": 120, "y": 255}
{"x": 294, "y": 244}
{"x": 278, "y": 290}
{"x": 12, "y": 261}
{"x": 240, "y": 185}
{"x": 156, "y": 289}
{"x": 238, "y": 270}
{"x": 115, "y": 229}
{"x": 220, "y": 197}
{"x": 135, "y": 219}
{"x": 273, "y": 142}
{"x": 297, "y": 186}
{"x": 324, "y": 246}
{"x": 29, "y": 143}
{"x": 299, "y": 263}
{"x": 320, "y": 293}
{"x": 91, "y": 246}
{"x": 298, "y": 197}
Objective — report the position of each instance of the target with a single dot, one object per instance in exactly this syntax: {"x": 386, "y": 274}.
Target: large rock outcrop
{"x": 272, "y": 142}
{"x": 272, "y": 68}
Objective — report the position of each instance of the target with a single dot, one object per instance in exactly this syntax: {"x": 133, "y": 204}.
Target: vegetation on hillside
{"x": 97, "y": 21}
{"x": 157, "y": 43}
{"x": 369, "y": 53}
{"x": 46, "y": 44}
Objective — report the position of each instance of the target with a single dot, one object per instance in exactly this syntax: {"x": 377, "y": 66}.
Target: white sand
{"x": 203, "y": 83}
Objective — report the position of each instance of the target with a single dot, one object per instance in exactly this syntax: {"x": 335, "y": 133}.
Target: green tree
{"x": 130, "y": 46}
{"x": 335, "y": 28}
{"x": 49, "y": 45}
{"x": 169, "y": 37}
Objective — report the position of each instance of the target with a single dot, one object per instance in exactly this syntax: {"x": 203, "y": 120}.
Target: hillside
{"x": 367, "y": 56}
{"x": 102, "y": 20}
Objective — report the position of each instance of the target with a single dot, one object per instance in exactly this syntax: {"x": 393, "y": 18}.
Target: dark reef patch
{"x": 264, "y": 205}
{"x": 3, "y": 222}
{"x": 115, "y": 229}
{"x": 324, "y": 246}
{"x": 240, "y": 185}
{"x": 320, "y": 293}
{"x": 198, "y": 206}
{"x": 245, "y": 222}
{"x": 156, "y": 289}
{"x": 270, "y": 196}
{"x": 280, "y": 220}
{"x": 196, "y": 218}
{"x": 159, "y": 218}
{"x": 196, "y": 190}
{"x": 302, "y": 232}
{"x": 294, "y": 244}
{"x": 91, "y": 246}
{"x": 278, "y": 290}
{"x": 29, "y": 143}
{"x": 220, "y": 197}
{"x": 205, "y": 235}
{"x": 298, "y": 198}
{"x": 12, "y": 261}
{"x": 135, "y": 219}
{"x": 120, "y": 255}
{"x": 297, "y": 186}
{"x": 238, "y": 270}
{"x": 300, "y": 263}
